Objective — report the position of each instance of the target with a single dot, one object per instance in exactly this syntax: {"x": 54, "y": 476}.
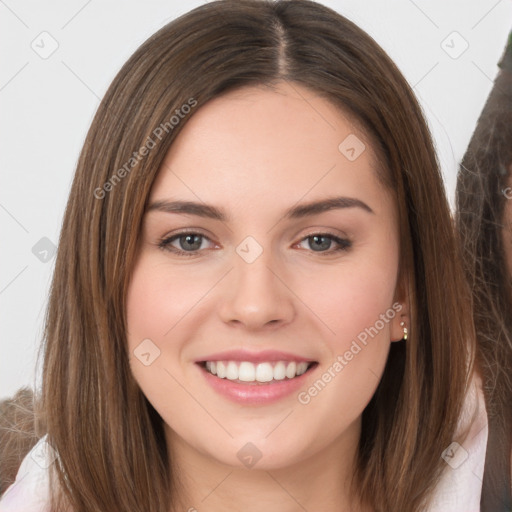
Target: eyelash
{"x": 344, "y": 244}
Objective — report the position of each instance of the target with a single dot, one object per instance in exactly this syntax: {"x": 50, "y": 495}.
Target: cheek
{"x": 159, "y": 296}
{"x": 351, "y": 297}
{"x": 157, "y": 300}
{"x": 360, "y": 315}
{"x": 354, "y": 300}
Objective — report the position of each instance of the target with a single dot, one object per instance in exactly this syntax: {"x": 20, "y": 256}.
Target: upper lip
{"x": 254, "y": 357}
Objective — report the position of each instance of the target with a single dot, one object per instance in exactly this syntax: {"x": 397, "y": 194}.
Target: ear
{"x": 402, "y": 310}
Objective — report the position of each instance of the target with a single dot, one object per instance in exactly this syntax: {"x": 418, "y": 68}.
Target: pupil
{"x": 188, "y": 240}
{"x": 326, "y": 243}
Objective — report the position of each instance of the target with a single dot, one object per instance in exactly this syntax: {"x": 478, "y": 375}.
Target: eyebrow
{"x": 295, "y": 212}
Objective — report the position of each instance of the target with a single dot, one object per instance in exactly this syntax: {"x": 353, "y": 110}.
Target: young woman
{"x": 484, "y": 220}
{"x": 257, "y": 301}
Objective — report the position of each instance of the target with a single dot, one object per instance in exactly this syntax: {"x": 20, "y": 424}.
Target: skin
{"x": 255, "y": 153}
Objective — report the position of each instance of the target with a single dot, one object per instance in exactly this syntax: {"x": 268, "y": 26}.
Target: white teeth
{"x": 301, "y": 368}
{"x": 249, "y": 372}
{"x": 232, "y": 371}
{"x": 246, "y": 372}
{"x": 221, "y": 370}
{"x": 291, "y": 370}
{"x": 279, "y": 371}
{"x": 264, "y": 372}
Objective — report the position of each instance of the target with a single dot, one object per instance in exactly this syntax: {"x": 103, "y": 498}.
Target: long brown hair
{"x": 482, "y": 193}
{"x": 111, "y": 441}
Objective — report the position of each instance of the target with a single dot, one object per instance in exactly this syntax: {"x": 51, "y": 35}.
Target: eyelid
{"x": 326, "y": 231}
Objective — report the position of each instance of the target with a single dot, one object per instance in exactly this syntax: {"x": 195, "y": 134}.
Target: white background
{"x": 48, "y": 104}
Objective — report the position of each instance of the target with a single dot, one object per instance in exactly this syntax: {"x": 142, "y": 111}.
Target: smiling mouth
{"x": 245, "y": 372}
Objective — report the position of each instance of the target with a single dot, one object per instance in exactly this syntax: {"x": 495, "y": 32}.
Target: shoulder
{"x": 460, "y": 486}
{"x": 30, "y": 490}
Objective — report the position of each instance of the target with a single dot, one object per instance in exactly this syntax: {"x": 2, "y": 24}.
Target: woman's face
{"x": 268, "y": 286}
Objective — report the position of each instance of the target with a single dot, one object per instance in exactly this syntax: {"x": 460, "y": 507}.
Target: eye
{"x": 190, "y": 243}
{"x": 320, "y": 241}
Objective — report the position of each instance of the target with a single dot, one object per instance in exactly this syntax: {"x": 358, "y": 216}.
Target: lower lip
{"x": 256, "y": 393}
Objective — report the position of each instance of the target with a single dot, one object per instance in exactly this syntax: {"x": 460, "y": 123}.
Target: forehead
{"x": 256, "y": 145}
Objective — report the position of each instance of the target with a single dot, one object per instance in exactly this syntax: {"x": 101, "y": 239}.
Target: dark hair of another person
{"x": 481, "y": 199}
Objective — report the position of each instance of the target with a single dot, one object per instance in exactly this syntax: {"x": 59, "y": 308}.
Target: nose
{"x": 257, "y": 295}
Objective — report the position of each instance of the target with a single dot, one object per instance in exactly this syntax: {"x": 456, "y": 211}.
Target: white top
{"x": 30, "y": 490}
{"x": 460, "y": 487}
{"x": 458, "y": 490}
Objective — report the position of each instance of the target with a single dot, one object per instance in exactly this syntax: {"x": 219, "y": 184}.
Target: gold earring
{"x": 402, "y": 324}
